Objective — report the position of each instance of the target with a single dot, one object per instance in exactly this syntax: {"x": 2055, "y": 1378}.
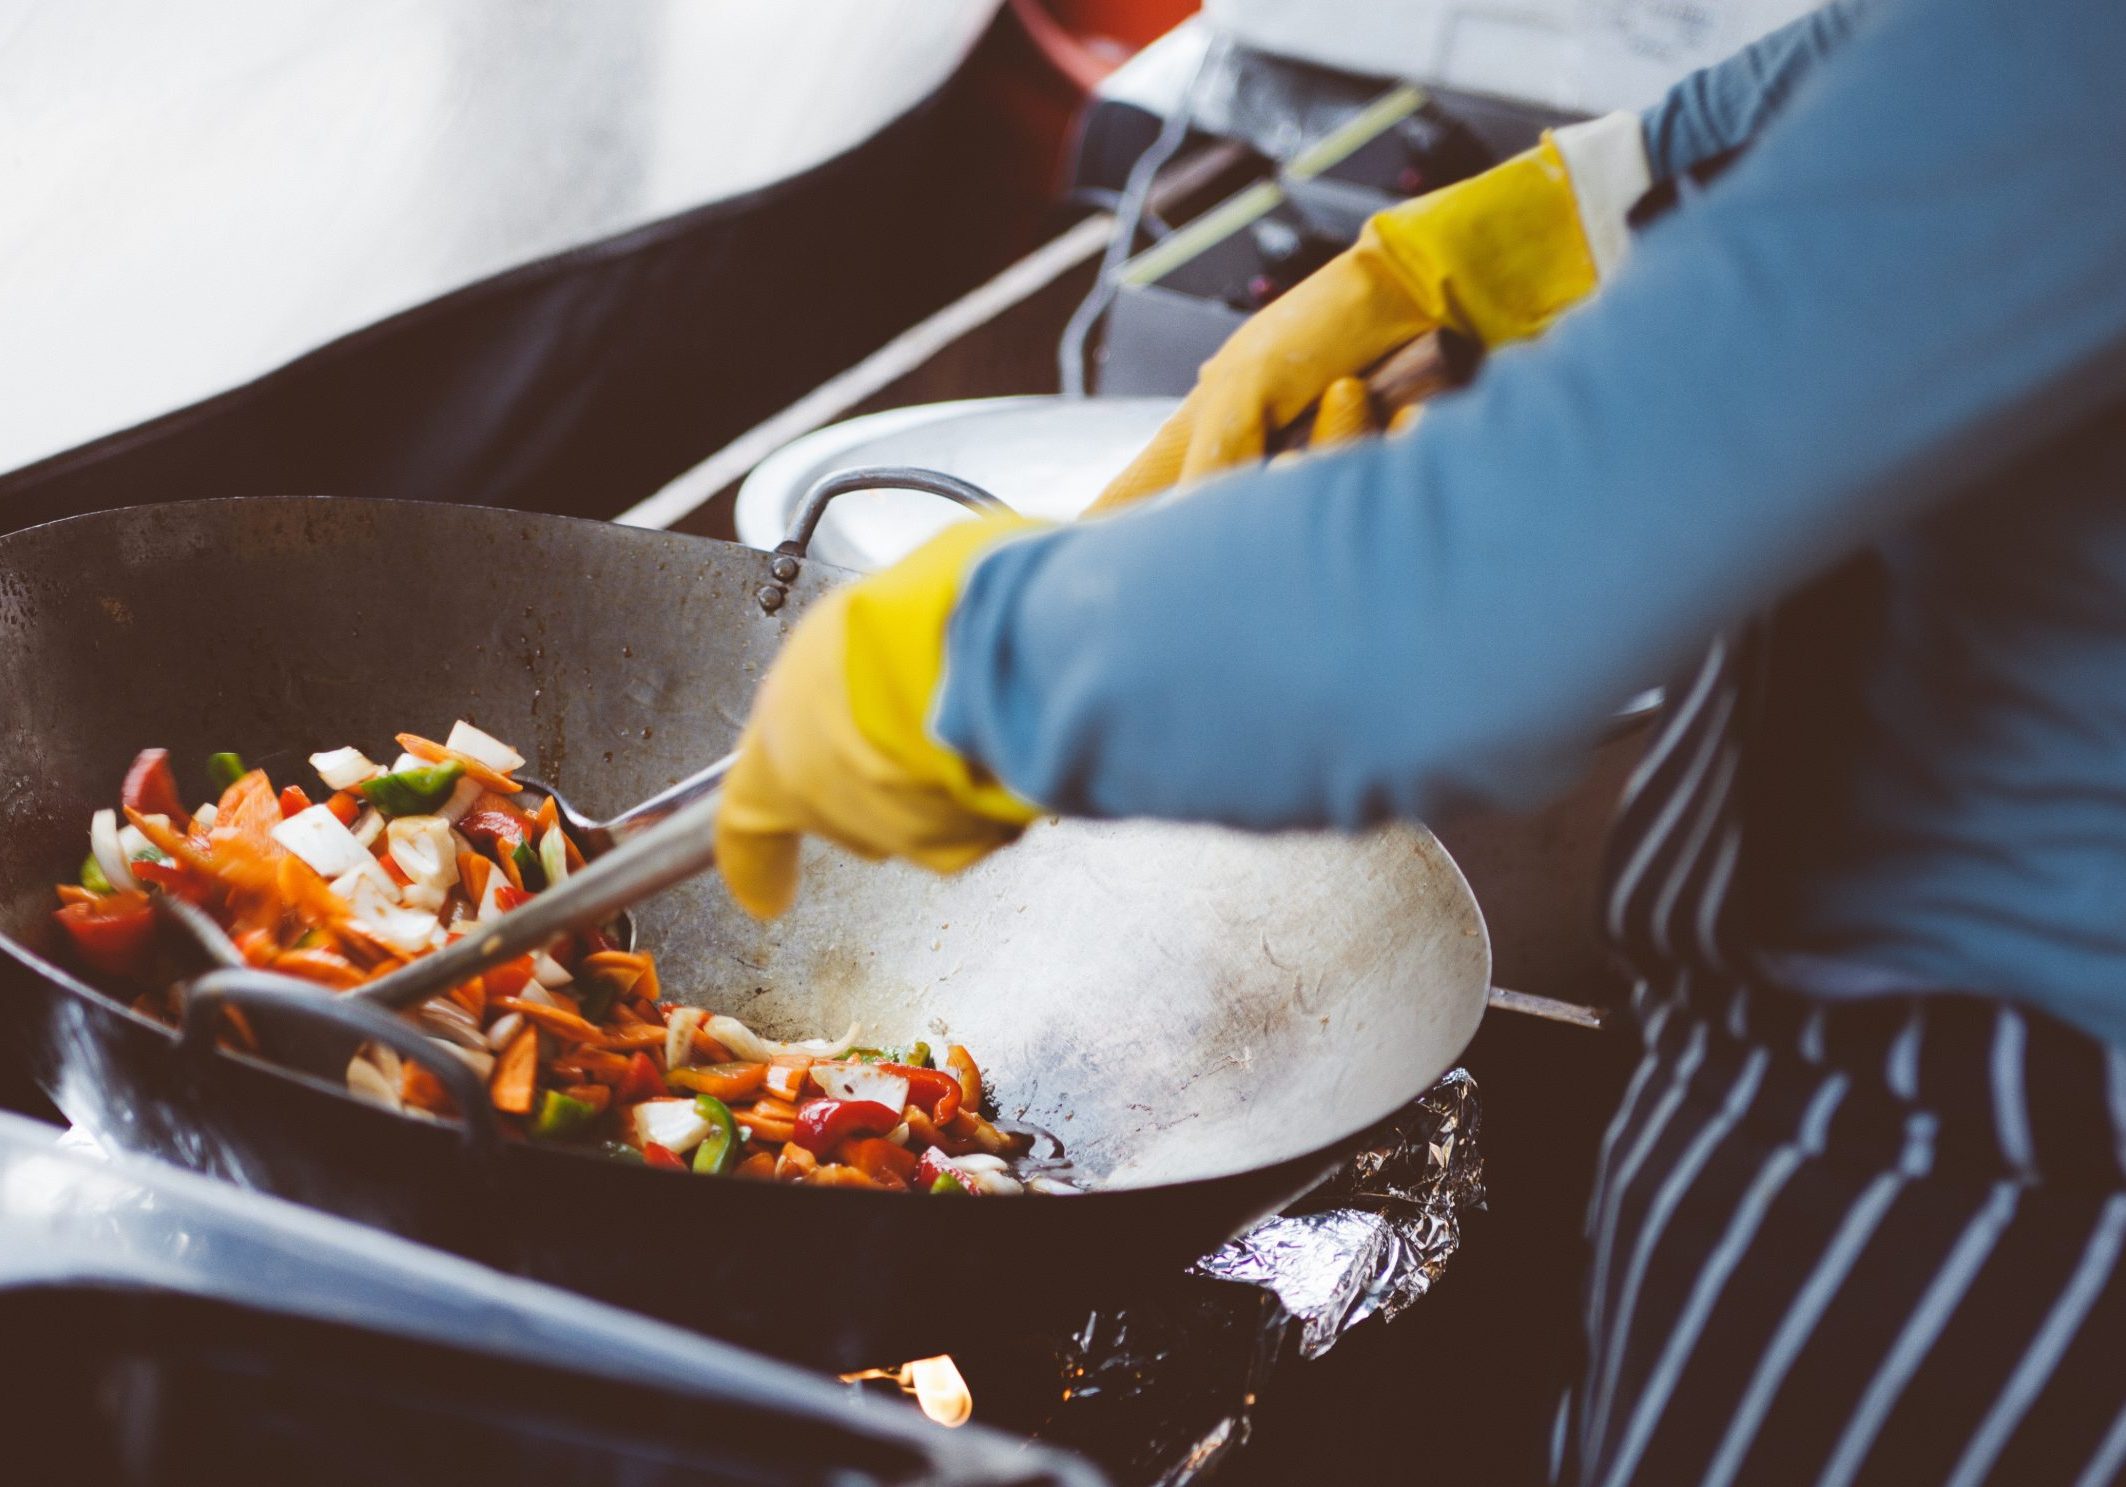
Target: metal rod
{"x": 1549, "y": 1008}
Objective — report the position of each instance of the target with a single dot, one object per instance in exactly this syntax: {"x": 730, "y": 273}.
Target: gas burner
{"x": 1159, "y": 1389}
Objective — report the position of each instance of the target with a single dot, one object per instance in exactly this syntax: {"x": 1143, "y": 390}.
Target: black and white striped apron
{"x": 1833, "y": 1242}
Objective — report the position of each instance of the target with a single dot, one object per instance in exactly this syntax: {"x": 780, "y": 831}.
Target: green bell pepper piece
{"x": 947, "y": 1183}
{"x": 919, "y": 1057}
{"x": 413, "y": 792}
{"x": 92, "y": 877}
{"x": 528, "y": 867}
{"x": 224, "y": 770}
{"x": 718, "y": 1151}
{"x": 561, "y": 1116}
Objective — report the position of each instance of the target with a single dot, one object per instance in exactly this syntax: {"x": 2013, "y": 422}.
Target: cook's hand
{"x": 1495, "y": 258}
{"x": 839, "y": 745}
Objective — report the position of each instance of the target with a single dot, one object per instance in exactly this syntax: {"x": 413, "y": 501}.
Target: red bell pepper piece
{"x": 485, "y": 826}
{"x": 935, "y": 1091}
{"x": 823, "y": 1125}
{"x": 293, "y": 801}
{"x": 643, "y": 1080}
{"x": 507, "y": 898}
{"x": 509, "y": 978}
{"x": 654, "y": 1155}
{"x": 936, "y": 1164}
{"x": 114, "y": 934}
{"x": 173, "y": 878}
{"x": 151, "y": 789}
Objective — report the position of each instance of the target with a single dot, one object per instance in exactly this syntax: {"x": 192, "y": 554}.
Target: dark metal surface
{"x": 1205, "y": 1018}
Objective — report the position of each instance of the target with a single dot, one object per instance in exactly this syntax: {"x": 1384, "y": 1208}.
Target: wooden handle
{"x": 1418, "y": 370}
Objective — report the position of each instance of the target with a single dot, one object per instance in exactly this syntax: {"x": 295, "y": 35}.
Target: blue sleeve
{"x": 1721, "y": 108}
{"x": 1912, "y": 278}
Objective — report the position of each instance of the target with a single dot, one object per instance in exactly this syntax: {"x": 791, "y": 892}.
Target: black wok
{"x": 1206, "y": 1019}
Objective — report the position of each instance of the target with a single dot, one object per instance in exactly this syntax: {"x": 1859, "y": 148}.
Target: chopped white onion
{"x": 537, "y": 995}
{"x": 490, "y": 900}
{"x": 462, "y": 795}
{"x": 109, "y": 851}
{"x": 786, "y": 1082}
{"x": 445, "y": 1019}
{"x": 981, "y": 1161}
{"x": 504, "y": 1028}
{"x": 318, "y": 838}
{"x": 365, "y": 1081}
{"x": 479, "y": 1060}
{"x": 203, "y": 818}
{"x": 370, "y": 872}
{"x": 421, "y": 846}
{"x": 747, "y": 1044}
{"x": 862, "y": 1082}
{"x": 673, "y": 1124}
{"x": 407, "y": 761}
{"x": 553, "y": 855}
{"x": 549, "y": 972}
{"x": 1052, "y": 1185}
{"x": 135, "y": 844}
{"x": 406, "y": 930}
{"x": 994, "y": 1184}
{"x": 368, "y": 826}
{"x": 422, "y": 896}
{"x": 343, "y": 769}
{"x": 485, "y": 747}
{"x": 679, "y": 1036}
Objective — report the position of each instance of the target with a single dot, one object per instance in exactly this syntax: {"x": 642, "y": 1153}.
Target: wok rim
{"x": 1318, "y": 1156}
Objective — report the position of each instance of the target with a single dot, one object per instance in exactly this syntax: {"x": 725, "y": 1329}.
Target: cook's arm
{"x": 1911, "y": 278}
{"x": 1721, "y": 108}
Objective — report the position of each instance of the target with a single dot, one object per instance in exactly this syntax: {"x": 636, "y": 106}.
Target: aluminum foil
{"x": 1374, "y": 1237}
{"x": 1160, "y": 1391}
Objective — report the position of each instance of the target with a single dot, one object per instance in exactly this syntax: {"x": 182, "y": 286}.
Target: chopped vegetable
{"x": 113, "y": 934}
{"x": 109, "y": 852}
{"x": 413, "y": 792}
{"x": 224, "y": 770}
{"x": 655, "y": 1155}
{"x": 733, "y": 1081}
{"x": 870, "y": 1082}
{"x": 423, "y": 849}
{"x": 945, "y": 1182}
{"x": 718, "y": 1150}
{"x": 673, "y": 1124}
{"x": 823, "y": 1125}
{"x": 516, "y": 1072}
{"x": 322, "y": 841}
{"x": 340, "y": 769}
{"x": 553, "y": 855}
{"x": 746, "y": 1043}
{"x": 530, "y": 876}
{"x": 562, "y": 1117}
{"x": 151, "y": 788}
{"x": 643, "y": 1081}
{"x": 92, "y": 877}
{"x": 485, "y": 747}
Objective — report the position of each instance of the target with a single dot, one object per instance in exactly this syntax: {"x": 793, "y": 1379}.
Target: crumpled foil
{"x": 1374, "y": 1237}
{"x": 1160, "y": 1391}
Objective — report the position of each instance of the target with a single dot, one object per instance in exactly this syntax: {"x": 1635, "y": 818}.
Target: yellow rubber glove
{"x": 838, "y": 744}
{"x": 1497, "y": 258}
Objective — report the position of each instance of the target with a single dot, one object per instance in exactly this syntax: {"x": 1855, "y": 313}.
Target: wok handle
{"x": 287, "y": 996}
{"x": 879, "y": 477}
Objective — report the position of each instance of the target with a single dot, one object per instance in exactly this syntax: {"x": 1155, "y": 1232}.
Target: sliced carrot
{"x": 834, "y": 1175}
{"x": 592, "y": 1065}
{"x": 246, "y": 1037}
{"x": 708, "y": 1050}
{"x": 794, "y": 1163}
{"x": 392, "y": 870}
{"x": 880, "y": 1160}
{"x": 257, "y": 946}
{"x": 472, "y": 996}
{"x": 556, "y": 1020}
{"x": 726, "y": 1081}
{"x": 418, "y": 1087}
{"x": 473, "y": 872}
{"x": 325, "y": 967}
{"x": 617, "y": 968}
{"x": 597, "y": 1096}
{"x": 435, "y": 753}
{"x": 623, "y": 1012}
{"x": 509, "y": 978}
{"x": 74, "y": 893}
{"x": 760, "y": 1167}
{"x": 547, "y": 816}
{"x": 644, "y": 1035}
{"x": 515, "y": 1073}
{"x": 346, "y": 807}
{"x": 769, "y": 1120}
{"x": 962, "y": 1063}
{"x": 507, "y": 861}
